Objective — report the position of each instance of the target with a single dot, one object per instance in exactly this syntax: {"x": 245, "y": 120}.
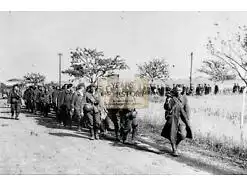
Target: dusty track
{"x": 32, "y": 145}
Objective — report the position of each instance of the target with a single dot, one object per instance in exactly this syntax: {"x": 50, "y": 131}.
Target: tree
{"x": 217, "y": 70}
{"x": 231, "y": 51}
{"x": 34, "y": 78}
{"x": 154, "y": 69}
{"x": 91, "y": 64}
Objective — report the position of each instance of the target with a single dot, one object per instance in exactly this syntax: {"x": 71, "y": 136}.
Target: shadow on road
{"x": 5, "y": 112}
{"x": 161, "y": 147}
{"x": 3, "y": 117}
{"x": 196, "y": 163}
{"x": 4, "y": 107}
{"x": 62, "y": 134}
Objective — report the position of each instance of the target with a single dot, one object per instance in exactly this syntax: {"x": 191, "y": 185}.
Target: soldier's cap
{"x": 69, "y": 86}
{"x": 65, "y": 85}
{"x": 178, "y": 88}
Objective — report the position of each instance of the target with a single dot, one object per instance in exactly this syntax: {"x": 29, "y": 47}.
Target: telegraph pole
{"x": 60, "y": 58}
{"x": 191, "y": 62}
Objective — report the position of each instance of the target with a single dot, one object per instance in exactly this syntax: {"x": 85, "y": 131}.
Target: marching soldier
{"x": 92, "y": 111}
{"x": 128, "y": 121}
{"x": 37, "y": 96}
{"x": 45, "y": 102}
{"x": 114, "y": 115}
{"x": 25, "y": 97}
{"x": 42, "y": 100}
{"x": 177, "y": 126}
{"x": 15, "y": 101}
{"x": 54, "y": 98}
{"x": 77, "y": 105}
{"x": 60, "y": 104}
{"x": 66, "y": 99}
{"x": 32, "y": 99}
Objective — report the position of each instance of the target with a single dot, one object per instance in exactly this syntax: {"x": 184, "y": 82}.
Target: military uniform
{"x": 25, "y": 97}
{"x": 66, "y": 99}
{"x": 45, "y": 99}
{"x": 177, "y": 126}
{"x": 59, "y": 105}
{"x": 28, "y": 99}
{"x": 92, "y": 113}
{"x": 15, "y": 101}
{"x": 128, "y": 123}
{"x": 37, "y": 93}
{"x": 114, "y": 115}
{"x": 77, "y": 105}
{"x": 54, "y": 99}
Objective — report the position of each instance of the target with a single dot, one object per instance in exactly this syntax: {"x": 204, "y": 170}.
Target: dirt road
{"x": 32, "y": 145}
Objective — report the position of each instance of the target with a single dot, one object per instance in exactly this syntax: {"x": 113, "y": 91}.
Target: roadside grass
{"x": 215, "y": 122}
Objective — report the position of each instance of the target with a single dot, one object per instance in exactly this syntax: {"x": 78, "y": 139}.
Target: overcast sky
{"x": 30, "y": 41}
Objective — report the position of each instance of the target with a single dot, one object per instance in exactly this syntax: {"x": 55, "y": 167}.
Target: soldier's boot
{"x": 79, "y": 129}
{"x": 96, "y": 133}
{"x": 91, "y": 134}
{"x": 117, "y": 136}
{"x": 12, "y": 114}
{"x": 17, "y": 116}
{"x": 124, "y": 136}
{"x": 174, "y": 150}
{"x": 133, "y": 137}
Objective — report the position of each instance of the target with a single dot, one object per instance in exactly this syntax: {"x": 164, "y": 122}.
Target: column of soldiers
{"x": 82, "y": 106}
{"x": 38, "y": 98}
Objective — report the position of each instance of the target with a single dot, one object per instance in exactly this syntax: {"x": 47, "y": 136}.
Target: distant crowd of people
{"x": 199, "y": 90}
{"x": 237, "y": 89}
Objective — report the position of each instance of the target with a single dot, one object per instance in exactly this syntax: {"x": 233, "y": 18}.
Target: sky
{"x": 31, "y": 41}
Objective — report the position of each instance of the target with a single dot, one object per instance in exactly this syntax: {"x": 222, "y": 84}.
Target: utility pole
{"x": 191, "y": 58}
{"x": 60, "y": 58}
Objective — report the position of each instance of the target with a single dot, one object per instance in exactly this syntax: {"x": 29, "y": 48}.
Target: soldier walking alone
{"x": 15, "y": 101}
{"x": 177, "y": 126}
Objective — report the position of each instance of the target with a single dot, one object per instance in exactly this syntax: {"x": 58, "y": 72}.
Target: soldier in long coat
{"x": 45, "y": 101}
{"x": 66, "y": 99}
{"x": 26, "y": 97}
{"x": 36, "y": 94}
{"x": 59, "y": 104}
{"x": 54, "y": 98}
{"x": 177, "y": 126}
{"x": 31, "y": 99}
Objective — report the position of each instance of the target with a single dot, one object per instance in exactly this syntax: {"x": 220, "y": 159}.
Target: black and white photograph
{"x": 123, "y": 93}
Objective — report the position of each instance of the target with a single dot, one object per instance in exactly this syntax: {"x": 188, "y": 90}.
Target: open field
{"x": 215, "y": 121}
